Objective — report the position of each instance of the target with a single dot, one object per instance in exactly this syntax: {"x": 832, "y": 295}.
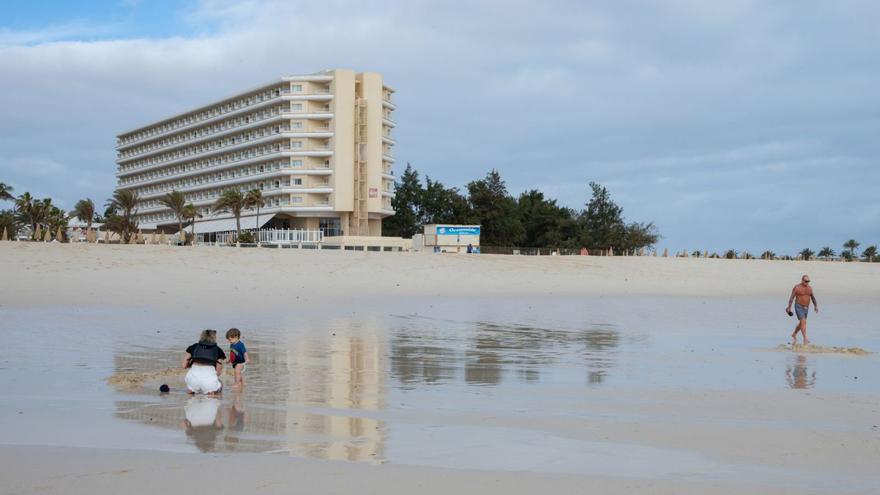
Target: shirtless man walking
{"x": 801, "y": 294}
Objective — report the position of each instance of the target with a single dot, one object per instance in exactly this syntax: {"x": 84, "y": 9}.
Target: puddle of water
{"x": 415, "y": 383}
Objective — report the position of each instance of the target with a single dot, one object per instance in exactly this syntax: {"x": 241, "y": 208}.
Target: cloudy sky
{"x": 736, "y": 124}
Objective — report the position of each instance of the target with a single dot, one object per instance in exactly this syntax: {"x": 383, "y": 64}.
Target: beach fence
{"x": 272, "y": 237}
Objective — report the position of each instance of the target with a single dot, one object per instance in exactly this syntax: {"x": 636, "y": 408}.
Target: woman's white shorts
{"x": 202, "y": 379}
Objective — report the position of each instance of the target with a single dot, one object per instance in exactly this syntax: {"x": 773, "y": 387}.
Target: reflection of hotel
{"x": 344, "y": 373}
{"x": 317, "y": 145}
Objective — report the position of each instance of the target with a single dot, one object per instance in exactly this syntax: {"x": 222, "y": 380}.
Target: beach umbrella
{"x": 90, "y": 235}
{"x": 38, "y": 233}
{"x": 47, "y": 236}
{"x": 163, "y": 239}
{"x": 655, "y": 253}
{"x": 5, "y": 237}
{"x": 665, "y": 252}
{"x": 611, "y": 251}
{"x": 106, "y": 237}
{"x": 705, "y": 254}
{"x": 58, "y": 236}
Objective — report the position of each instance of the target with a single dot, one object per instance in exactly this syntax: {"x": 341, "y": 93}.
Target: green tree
{"x": 407, "y": 205}
{"x": 443, "y": 205}
{"x": 826, "y": 253}
{"x": 190, "y": 214}
{"x": 255, "y": 200}
{"x": 6, "y": 192}
{"x": 84, "y": 209}
{"x": 639, "y": 235}
{"x": 869, "y": 253}
{"x": 730, "y": 254}
{"x": 123, "y": 207}
{"x": 24, "y": 208}
{"x": 602, "y": 220}
{"x": 851, "y": 246}
{"x": 768, "y": 255}
{"x": 545, "y": 223}
{"x": 56, "y": 219}
{"x": 176, "y": 202}
{"x": 8, "y": 222}
{"x": 806, "y": 254}
{"x": 495, "y": 211}
{"x": 232, "y": 201}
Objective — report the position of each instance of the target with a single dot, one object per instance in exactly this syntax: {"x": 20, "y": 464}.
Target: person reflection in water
{"x": 203, "y": 422}
{"x": 798, "y": 375}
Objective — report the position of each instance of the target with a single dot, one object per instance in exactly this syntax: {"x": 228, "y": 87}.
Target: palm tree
{"x": 124, "y": 203}
{"x": 190, "y": 213}
{"x": 232, "y": 201}
{"x": 851, "y": 246}
{"x": 870, "y": 253}
{"x": 806, "y": 254}
{"x": 6, "y": 192}
{"x": 730, "y": 254}
{"x": 84, "y": 209}
{"x": 176, "y": 201}
{"x": 24, "y": 207}
{"x": 255, "y": 200}
{"x": 56, "y": 221}
{"x": 768, "y": 255}
{"x": 826, "y": 253}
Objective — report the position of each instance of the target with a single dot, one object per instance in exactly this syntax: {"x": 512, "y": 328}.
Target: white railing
{"x": 265, "y": 236}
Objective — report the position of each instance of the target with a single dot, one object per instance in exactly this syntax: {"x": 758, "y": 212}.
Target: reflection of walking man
{"x": 801, "y": 294}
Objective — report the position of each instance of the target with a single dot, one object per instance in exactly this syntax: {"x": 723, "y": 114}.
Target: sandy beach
{"x": 402, "y": 372}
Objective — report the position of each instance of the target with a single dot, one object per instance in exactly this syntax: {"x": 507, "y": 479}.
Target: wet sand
{"x": 491, "y": 392}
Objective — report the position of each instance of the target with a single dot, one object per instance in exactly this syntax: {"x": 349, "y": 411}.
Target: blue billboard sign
{"x": 445, "y": 230}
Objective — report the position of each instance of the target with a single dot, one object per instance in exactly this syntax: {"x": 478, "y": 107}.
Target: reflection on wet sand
{"x": 320, "y": 392}
{"x": 427, "y": 351}
{"x": 798, "y": 374}
{"x": 303, "y": 398}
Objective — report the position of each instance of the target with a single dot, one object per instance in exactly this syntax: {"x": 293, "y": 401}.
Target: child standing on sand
{"x": 238, "y": 356}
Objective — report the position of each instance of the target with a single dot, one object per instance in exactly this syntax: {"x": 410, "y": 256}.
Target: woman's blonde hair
{"x": 208, "y": 336}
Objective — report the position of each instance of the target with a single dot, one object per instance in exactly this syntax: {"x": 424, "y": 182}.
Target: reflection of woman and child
{"x": 204, "y": 362}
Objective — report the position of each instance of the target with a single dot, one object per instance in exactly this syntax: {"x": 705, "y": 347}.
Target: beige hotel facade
{"x": 319, "y": 146}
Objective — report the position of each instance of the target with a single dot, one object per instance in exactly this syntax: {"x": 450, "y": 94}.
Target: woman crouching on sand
{"x": 205, "y": 362}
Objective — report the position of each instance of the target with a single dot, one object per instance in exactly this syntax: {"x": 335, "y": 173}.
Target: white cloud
{"x": 750, "y": 111}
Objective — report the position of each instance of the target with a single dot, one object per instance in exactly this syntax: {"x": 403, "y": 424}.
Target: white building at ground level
{"x": 319, "y": 147}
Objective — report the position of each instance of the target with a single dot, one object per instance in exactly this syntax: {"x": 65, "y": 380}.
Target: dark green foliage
{"x": 531, "y": 220}
{"x": 495, "y": 211}
{"x": 407, "y": 204}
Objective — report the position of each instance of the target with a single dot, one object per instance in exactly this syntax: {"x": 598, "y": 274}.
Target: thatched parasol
{"x": 163, "y": 239}
{"x": 5, "y": 237}
{"x": 38, "y": 233}
{"x": 106, "y": 237}
{"x": 47, "y": 236}
{"x": 665, "y": 252}
{"x": 58, "y": 235}
{"x": 153, "y": 238}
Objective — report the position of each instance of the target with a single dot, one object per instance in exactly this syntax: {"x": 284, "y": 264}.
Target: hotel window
{"x": 296, "y": 181}
{"x": 296, "y": 199}
{"x": 296, "y": 144}
{"x": 296, "y": 125}
{"x": 296, "y": 107}
{"x": 297, "y": 88}
{"x": 296, "y": 163}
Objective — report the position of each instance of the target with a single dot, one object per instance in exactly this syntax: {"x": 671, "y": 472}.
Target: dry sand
{"x": 831, "y": 438}
{"x": 171, "y": 277}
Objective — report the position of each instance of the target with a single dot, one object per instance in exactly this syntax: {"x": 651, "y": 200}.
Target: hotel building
{"x": 319, "y": 147}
